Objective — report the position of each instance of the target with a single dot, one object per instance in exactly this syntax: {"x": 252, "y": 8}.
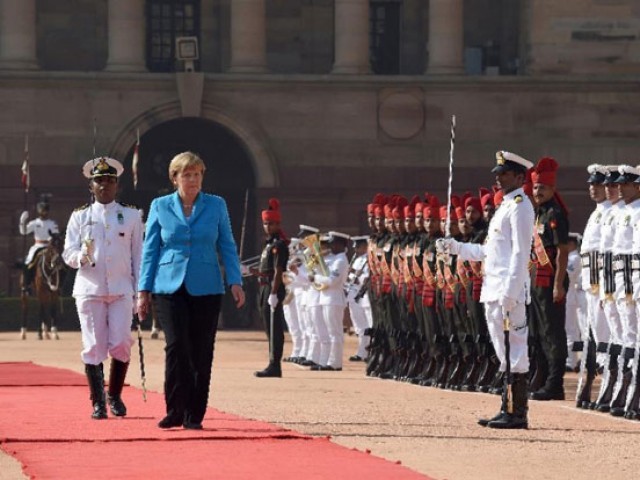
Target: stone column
{"x": 446, "y": 37}
{"x": 351, "y": 35}
{"x": 126, "y": 36}
{"x": 248, "y": 36}
{"x": 18, "y": 34}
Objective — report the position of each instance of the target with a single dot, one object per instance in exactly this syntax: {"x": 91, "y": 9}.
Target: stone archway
{"x": 252, "y": 138}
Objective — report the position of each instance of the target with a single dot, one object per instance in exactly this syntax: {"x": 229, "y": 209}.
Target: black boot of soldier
{"x": 95, "y": 377}
{"x": 503, "y": 411}
{"x": 117, "y": 375}
{"x": 518, "y": 417}
{"x": 583, "y": 396}
{"x": 603, "y": 403}
{"x": 273, "y": 370}
{"x": 618, "y": 403}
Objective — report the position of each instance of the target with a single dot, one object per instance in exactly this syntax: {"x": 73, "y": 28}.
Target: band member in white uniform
{"x": 506, "y": 282}
{"x": 357, "y": 296}
{"x": 290, "y": 308}
{"x": 573, "y": 321}
{"x": 104, "y": 242}
{"x": 332, "y": 299}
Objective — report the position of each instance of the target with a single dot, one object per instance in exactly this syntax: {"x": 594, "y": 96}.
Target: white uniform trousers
{"x": 105, "y": 322}
{"x": 518, "y": 333}
{"x": 305, "y": 324}
{"x": 597, "y": 319}
{"x": 333, "y": 316}
{"x": 293, "y": 325}
{"x": 360, "y": 324}
{"x": 613, "y": 320}
{"x": 627, "y": 310}
{"x": 572, "y": 327}
{"x": 320, "y": 342}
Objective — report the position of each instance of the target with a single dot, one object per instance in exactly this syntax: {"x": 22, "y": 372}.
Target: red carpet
{"x": 60, "y": 440}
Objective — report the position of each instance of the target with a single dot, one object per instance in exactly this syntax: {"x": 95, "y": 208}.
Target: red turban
{"x": 432, "y": 208}
{"x": 272, "y": 213}
{"x": 545, "y": 172}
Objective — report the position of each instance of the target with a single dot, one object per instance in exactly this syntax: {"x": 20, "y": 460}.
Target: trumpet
{"x": 314, "y": 259}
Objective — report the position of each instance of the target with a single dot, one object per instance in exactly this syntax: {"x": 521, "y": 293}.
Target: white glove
{"x": 273, "y": 300}
{"x": 447, "y": 245}
{"x": 507, "y": 304}
{"x": 24, "y": 216}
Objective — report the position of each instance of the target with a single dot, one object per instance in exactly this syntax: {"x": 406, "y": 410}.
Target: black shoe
{"x": 99, "y": 411}
{"x": 290, "y": 359}
{"x": 192, "y": 425}
{"x": 486, "y": 421}
{"x": 117, "y": 406}
{"x": 170, "y": 421}
{"x": 617, "y": 411}
{"x": 356, "y": 358}
{"x": 508, "y": 421}
{"x": 308, "y": 363}
{"x": 316, "y": 368}
{"x": 546, "y": 395}
{"x": 300, "y": 360}
{"x": 269, "y": 372}
{"x": 329, "y": 368}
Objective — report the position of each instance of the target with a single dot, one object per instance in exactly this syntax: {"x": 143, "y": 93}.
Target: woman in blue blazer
{"x": 180, "y": 272}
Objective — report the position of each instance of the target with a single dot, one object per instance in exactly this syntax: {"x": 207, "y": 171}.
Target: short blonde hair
{"x": 183, "y": 161}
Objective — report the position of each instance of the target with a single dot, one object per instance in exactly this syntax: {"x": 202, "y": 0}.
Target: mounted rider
{"x": 42, "y": 228}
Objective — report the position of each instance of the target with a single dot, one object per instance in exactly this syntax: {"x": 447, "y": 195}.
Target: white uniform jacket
{"x": 591, "y": 237}
{"x": 117, "y": 232}
{"x": 338, "y": 267}
{"x": 507, "y": 250}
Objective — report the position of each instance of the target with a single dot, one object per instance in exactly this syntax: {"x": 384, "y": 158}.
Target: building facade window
{"x": 167, "y": 20}
{"x": 384, "y": 32}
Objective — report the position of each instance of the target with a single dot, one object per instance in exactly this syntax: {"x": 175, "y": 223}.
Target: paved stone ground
{"x": 429, "y": 430}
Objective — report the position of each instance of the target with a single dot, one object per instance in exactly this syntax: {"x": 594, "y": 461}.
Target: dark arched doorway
{"x": 229, "y": 173}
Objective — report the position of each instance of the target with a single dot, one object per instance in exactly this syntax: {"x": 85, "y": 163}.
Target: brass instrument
{"x": 248, "y": 265}
{"x": 314, "y": 259}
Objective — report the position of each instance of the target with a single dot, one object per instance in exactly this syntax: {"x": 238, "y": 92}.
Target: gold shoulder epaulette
{"x": 83, "y": 207}
{"x": 128, "y": 205}
{"x": 517, "y": 198}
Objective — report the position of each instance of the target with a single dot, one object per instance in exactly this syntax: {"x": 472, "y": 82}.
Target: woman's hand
{"x": 238, "y": 295}
{"x": 144, "y": 304}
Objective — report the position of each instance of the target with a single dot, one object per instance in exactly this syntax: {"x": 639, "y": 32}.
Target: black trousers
{"x": 549, "y": 318}
{"x": 190, "y": 324}
{"x": 276, "y": 345}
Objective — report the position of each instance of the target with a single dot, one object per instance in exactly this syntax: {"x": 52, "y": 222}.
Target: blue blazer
{"x": 178, "y": 250}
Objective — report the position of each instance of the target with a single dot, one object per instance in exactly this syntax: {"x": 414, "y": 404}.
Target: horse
{"x": 50, "y": 268}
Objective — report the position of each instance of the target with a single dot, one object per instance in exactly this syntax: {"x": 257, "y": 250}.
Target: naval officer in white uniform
{"x": 104, "y": 242}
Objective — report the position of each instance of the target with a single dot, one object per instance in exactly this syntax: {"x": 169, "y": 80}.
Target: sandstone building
{"x": 321, "y": 103}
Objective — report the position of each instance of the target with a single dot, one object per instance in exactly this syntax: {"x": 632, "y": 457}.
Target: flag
{"x": 134, "y": 161}
{"x": 26, "y": 177}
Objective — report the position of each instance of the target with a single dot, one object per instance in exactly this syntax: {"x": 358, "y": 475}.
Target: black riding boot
{"x": 517, "y": 419}
{"x": 117, "y": 375}
{"x": 95, "y": 377}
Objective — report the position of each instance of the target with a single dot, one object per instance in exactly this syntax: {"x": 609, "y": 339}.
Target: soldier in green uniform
{"x": 273, "y": 263}
{"x": 551, "y": 282}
